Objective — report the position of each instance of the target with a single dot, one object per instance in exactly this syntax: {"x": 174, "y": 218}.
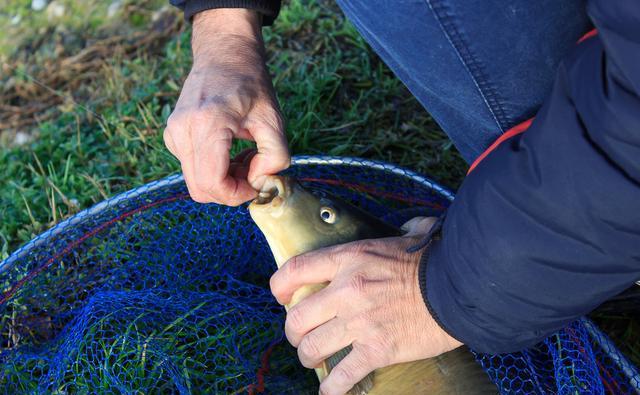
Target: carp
{"x": 294, "y": 221}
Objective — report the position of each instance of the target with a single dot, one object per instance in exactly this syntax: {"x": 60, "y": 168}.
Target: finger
{"x": 186, "y": 163}
{"x": 180, "y": 144}
{"x": 169, "y": 142}
{"x": 418, "y": 225}
{"x": 314, "y": 267}
{"x": 211, "y": 169}
{"x": 272, "y": 156}
{"x": 323, "y": 342}
{"x": 353, "y": 368}
{"x": 176, "y": 134}
{"x": 308, "y": 314}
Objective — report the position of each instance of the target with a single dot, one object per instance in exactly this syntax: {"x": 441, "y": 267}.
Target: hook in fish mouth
{"x": 274, "y": 191}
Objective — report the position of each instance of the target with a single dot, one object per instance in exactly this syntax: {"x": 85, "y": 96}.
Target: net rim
{"x": 302, "y": 160}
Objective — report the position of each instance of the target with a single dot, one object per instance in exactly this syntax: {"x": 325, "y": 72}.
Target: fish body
{"x": 294, "y": 221}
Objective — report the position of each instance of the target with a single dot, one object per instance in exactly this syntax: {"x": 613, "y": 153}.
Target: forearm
{"x": 227, "y": 36}
{"x": 545, "y": 228}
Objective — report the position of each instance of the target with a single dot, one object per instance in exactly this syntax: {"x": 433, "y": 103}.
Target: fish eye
{"x": 328, "y": 214}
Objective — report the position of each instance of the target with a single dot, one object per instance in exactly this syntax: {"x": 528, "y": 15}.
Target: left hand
{"x": 373, "y": 302}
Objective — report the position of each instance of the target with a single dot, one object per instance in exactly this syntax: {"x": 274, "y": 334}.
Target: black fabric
{"x": 268, "y": 8}
{"x": 547, "y": 226}
{"x": 422, "y": 279}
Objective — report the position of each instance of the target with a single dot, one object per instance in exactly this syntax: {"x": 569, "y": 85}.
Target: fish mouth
{"x": 274, "y": 192}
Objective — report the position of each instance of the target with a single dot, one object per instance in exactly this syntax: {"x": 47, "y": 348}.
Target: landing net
{"x": 150, "y": 292}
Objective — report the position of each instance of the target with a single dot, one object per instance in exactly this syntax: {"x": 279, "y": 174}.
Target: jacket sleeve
{"x": 268, "y": 8}
{"x": 547, "y": 226}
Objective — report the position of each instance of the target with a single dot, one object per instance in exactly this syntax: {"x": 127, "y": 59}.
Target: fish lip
{"x": 275, "y": 190}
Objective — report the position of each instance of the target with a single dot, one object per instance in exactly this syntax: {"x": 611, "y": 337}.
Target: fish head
{"x": 296, "y": 220}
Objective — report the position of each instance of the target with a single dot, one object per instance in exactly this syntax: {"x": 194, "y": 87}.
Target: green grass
{"x": 337, "y": 96}
{"x": 100, "y": 131}
{"x": 151, "y": 344}
{"x": 95, "y": 129}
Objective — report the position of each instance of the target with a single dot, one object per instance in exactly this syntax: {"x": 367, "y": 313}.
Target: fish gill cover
{"x": 150, "y": 292}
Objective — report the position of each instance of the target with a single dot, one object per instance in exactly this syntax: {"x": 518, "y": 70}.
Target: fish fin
{"x": 463, "y": 374}
{"x": 452, "y": 373}
{"x": 363, "y": 386}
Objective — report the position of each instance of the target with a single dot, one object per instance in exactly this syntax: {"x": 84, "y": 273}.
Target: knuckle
{"x": 345, "y": 376}
{"x": 295, "y": 319}
{"x": 358, "y": 283}
{"x": 363, "y": 321}
{"x": 296, "y": 265}
{"x": 224, "y": 134}
{"x": 365, "y": 246}
{"x": 377, "y": 354}
{"x": 274, "y": 284}
{"x": 350, "y": 252}
{"x": 177, "y": 130}
{"x": 173, "y": 122}
{"x": 325, "y": 388}
{"x": 169, "y": 142}
{"x": 309, "y": 351}
{"x": 165, "y": 134}
{"x": 283, "y": 162}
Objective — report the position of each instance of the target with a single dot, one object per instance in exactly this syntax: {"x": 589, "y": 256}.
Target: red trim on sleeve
{"x": 519, "y": 128}
{"x": 588, "y": 35}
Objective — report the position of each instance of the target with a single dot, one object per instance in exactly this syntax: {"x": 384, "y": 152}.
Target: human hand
{"x": 227, "y": 95}
{"x": 373, "y": 302}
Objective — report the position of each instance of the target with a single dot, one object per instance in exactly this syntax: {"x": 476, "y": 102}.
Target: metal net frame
{"x": 150, "y": 292}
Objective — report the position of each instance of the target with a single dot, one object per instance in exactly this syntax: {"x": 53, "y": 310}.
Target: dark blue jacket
{"x": 547, "y": 226}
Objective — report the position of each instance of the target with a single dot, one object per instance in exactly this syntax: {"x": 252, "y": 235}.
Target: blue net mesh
{"x": 150, "y": 292}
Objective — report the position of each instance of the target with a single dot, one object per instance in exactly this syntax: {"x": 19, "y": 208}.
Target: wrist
{"x": 227, "y": 21}
{"x": 223, "y": 34}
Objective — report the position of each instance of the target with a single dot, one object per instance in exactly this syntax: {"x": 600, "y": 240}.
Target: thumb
{"x": 418, "y": 226}
{"x": 271, "y": 158}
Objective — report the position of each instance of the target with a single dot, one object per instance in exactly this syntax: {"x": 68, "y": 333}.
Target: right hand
{"x": 228, "y": 94}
